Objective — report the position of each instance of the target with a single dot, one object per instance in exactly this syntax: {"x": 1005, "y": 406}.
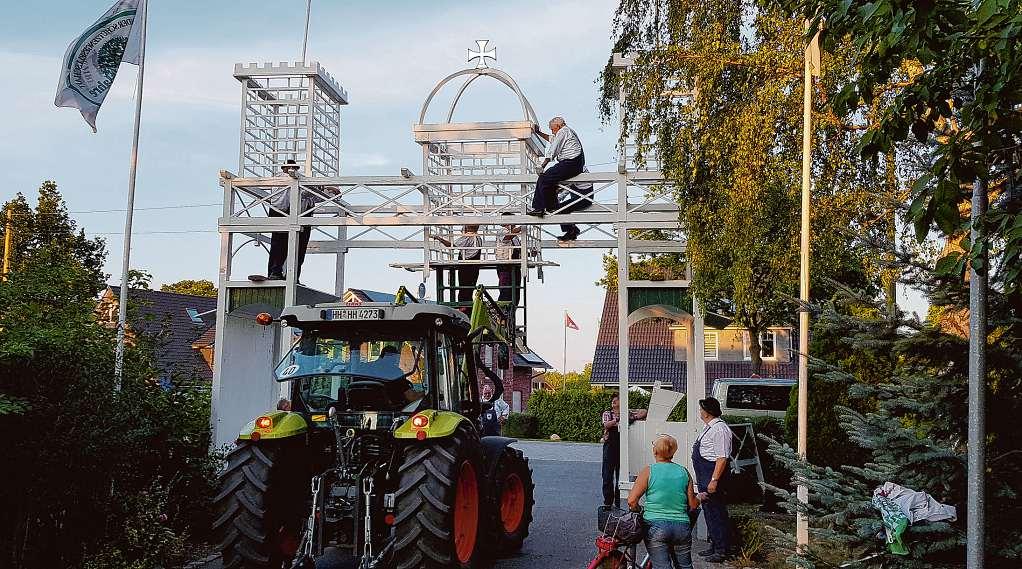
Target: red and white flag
{"x": 569, "y": 323}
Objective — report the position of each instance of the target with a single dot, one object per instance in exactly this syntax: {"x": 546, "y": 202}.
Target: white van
{"x": 753, "y": 396}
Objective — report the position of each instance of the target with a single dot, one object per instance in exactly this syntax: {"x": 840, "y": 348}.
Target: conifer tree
{"x": 912, "y": 427}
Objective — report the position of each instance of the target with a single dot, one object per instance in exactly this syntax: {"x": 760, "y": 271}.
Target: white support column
{"x": 623, "y": 262}
{"x": 291, "y": 280}
{"x": 342, "y": 251}
{"x": 223, "y": 276}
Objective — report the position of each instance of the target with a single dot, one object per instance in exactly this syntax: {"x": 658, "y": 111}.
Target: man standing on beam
{"x": 566, "y": 148}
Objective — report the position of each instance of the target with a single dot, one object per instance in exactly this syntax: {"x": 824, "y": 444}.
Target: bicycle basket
{"x": 622, "y": 525}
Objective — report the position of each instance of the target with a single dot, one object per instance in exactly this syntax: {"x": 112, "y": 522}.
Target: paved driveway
{"x": 567, "y": 477}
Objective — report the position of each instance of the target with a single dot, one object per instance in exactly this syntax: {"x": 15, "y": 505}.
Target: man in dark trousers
{"x": 280, "y": 206}
{"x": 565, "y": 148}
{"x": 612, "y": 449}
{"x": 710, "y": 455}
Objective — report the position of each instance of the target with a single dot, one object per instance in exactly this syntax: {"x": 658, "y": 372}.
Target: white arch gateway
{"x": 473, "y": 173}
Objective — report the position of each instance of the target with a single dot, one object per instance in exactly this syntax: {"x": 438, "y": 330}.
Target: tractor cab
{"x": 391, "y": 360}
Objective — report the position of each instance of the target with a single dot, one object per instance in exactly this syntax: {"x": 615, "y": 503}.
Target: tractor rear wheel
{"x": 439, "y": 503}
{"x": 262, "y": 503}
{"x": 513, "y": 499}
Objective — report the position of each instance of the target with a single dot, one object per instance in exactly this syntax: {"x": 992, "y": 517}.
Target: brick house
{"x": 657, "y": 351}
{"x": 519, "y": 381}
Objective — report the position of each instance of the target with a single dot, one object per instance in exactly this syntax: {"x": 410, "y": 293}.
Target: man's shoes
{"x": 707, "y": 552}
{"x": 569, "y": 235}
{"x": 275, "y": 277}
{"x": 716, "y": 558}
{"x": 535, "y": 212}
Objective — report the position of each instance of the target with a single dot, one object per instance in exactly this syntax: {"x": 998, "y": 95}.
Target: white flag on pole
{"x": 91, "y": 62}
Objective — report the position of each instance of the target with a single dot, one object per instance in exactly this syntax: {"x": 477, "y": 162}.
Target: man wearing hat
{"x": 710, "y": 455}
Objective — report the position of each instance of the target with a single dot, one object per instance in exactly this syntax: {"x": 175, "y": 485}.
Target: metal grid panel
{"x": 289, "y": 113}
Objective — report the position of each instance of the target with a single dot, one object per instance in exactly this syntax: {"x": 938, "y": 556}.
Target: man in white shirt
{"x": 566, "y": 149}
{"x": 493, "y": 419}
{"x": 710, "y": 455}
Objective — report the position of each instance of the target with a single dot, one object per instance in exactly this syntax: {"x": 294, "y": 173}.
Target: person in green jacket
{"x": 669, "y": 497}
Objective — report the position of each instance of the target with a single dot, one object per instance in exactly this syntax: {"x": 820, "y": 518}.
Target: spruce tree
{"x": 912, "y": 427}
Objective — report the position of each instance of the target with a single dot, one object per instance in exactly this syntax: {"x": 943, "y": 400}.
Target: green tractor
{"x": 380, "y": 457}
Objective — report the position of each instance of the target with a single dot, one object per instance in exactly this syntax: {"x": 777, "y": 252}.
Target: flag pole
{"x": 802, "y": 491}
{"x": 564, "y": 351}
{"x": 305, "y": 40}
{"x": 122, "y": 307}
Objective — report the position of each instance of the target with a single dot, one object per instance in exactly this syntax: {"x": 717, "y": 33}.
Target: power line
{"x": 182, "y": 206}
{"x": 133, "y": 233}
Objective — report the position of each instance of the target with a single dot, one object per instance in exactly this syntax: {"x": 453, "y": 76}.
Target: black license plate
{"x": 353, "y": 314}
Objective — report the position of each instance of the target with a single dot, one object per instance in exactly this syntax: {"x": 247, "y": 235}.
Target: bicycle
{"x": 611, "y": 552}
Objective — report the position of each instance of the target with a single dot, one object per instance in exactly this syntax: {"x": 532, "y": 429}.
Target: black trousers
{"x": 467, "y": 277}
{"x": 278, "y": 249}
{"x": 611, "y": 473}
{"x": 545, "y": 198}
{"x": 576, "y": 203}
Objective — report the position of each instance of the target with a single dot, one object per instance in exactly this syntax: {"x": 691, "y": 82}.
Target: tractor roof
{"x": 369, "y": 312}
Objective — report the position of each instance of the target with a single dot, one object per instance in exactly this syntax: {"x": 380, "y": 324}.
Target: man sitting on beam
{"x": 566, "y": 149}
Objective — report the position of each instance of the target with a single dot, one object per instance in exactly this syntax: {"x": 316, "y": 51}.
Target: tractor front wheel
{"x": 262, "y": 503}
{"x": 439, "y": 503}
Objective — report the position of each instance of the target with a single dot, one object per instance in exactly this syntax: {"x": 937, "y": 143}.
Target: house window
{"x": 516, "y": 401}
{"x": 710, "y": 345}
{"x": 767, "y": 346}
{"x": 680, "y": 339}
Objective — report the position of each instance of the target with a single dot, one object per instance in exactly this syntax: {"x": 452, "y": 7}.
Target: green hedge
{"x": 575, "y": 415}
{"x": 520, "y": 426}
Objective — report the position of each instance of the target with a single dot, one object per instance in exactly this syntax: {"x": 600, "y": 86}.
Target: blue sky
{"x": 388, "y": 55}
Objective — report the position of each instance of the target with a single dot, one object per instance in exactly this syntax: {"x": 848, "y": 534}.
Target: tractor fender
{"x": 440, "y": 424}
{"x": 283, "y": 424}
{"x": 492, "y": 449}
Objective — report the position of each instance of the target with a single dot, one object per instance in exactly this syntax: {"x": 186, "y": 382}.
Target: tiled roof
{"x": 164, "y": 315}
{"x": 651, "y": 355}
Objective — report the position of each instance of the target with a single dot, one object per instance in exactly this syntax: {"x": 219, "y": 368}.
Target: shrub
{"x": 575, "y": 415}
{"x": 521, "y": 426}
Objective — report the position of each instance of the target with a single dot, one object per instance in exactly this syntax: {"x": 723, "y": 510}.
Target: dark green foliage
{"x": 118, "y": 478}
{"x": 521, "y": 426}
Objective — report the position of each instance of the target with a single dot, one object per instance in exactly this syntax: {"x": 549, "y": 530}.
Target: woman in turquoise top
{"x": 669, "y": 497}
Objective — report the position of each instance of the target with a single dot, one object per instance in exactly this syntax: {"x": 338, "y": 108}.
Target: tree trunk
{"x": 755, "y": 349}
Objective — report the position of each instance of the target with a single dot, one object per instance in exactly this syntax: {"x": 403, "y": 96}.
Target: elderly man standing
{"x": 493, "y": 419}
{"x": 710, "y": 455}
{"x": 566, "y": 149}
